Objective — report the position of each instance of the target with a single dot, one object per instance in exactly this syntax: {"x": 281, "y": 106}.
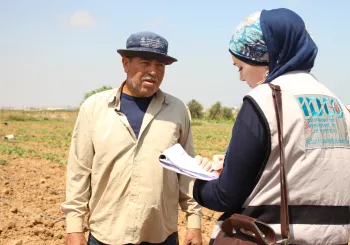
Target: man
{"x": 113, "y": 172}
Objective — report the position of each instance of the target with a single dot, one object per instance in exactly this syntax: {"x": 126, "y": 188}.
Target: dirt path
{"x": 31, "y": 192}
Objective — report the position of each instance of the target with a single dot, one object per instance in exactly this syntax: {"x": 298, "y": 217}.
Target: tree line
{"x": 215, "y": 112}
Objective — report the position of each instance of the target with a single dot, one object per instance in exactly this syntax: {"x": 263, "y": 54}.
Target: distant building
{"x": 54, "y": 109}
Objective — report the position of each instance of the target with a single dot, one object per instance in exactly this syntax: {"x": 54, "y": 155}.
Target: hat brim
{"x": 168, "y": 60}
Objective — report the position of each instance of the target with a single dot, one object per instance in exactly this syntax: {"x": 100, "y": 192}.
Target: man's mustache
{"x": 150, "y": 78}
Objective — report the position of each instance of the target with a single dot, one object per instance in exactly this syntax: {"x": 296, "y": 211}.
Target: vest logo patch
{"x": 324, "y": 122}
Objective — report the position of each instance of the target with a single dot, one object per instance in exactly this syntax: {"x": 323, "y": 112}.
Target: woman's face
{"x": 252, "y": 75}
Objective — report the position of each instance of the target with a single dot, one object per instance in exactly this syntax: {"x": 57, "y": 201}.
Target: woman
{"x": 275, "y": 47}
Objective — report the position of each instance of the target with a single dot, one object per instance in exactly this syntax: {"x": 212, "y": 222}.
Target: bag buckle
{"x": 283, "y": 241}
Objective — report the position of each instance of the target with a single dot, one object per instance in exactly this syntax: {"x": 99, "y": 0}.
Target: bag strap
{"x": 248, "y": 229}
{"x": 284, "y": 214}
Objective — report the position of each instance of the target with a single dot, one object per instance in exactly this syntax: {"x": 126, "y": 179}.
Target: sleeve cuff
{"x": 194, "y": 221}
{"x": 197, "y": 191}
{"x": 74, "y": 225}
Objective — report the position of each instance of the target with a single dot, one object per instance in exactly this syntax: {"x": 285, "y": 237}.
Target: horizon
{"x": 54, "y": 52}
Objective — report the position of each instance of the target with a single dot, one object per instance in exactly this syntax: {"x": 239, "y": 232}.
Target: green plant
{"x": 88, "y": 94}
{"x": 196, "y": 109}
{"x": 13, "y": 150}
{"x": 215, "y": 111}
{"x": 3, "y": 161}
{"x": 227, "y": 113}
{"x": 21, "y": 118}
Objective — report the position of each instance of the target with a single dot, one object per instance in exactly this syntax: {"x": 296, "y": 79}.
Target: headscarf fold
{"x": 289, "y": 46}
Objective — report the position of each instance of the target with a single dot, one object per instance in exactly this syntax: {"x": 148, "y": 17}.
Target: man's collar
{"x": 114, "y": 98}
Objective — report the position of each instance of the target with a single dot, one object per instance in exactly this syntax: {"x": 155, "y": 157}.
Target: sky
{"x": 52, "y": 52}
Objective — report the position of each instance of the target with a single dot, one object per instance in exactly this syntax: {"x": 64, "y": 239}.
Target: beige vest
{"x": 316, "y": 128}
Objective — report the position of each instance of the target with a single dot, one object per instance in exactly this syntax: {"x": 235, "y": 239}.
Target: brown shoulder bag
{"x": 244, "y": 230}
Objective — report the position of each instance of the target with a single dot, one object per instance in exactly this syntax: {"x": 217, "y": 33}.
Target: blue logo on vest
{"x": 324, "y": 122}
{"x": 319, "y": 106}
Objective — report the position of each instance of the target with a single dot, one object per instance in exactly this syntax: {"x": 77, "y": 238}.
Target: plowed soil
{"x": 30, "y": 198}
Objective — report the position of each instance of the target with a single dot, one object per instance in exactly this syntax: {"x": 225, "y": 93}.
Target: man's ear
{"x": 126, "y": 63}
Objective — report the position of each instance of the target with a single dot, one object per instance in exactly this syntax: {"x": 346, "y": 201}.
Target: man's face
{"x": 144, "y": 76}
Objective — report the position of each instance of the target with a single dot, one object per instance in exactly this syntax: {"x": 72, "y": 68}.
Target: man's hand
{"x": 75, "y": 239}
{"x": 193, "y": 237}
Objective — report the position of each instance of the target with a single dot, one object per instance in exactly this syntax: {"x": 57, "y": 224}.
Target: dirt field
{"x": 31, "y": 194}
{"x": 32, "y": 177}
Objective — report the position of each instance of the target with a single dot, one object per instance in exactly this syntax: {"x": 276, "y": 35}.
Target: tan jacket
{"x": 117, "y": 178}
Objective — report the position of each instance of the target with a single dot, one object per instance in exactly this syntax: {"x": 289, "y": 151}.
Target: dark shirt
{"x": 134, "y": 109}
{"x": 246, "y": 156}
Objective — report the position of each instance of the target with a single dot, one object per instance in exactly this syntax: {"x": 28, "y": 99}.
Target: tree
{"x": 215, "y": 111}
{"x": 227, "y": 113}
{"x": 196, "y": 109}
{"x": 236, "y": 110}
{"x": 88, "y": 94}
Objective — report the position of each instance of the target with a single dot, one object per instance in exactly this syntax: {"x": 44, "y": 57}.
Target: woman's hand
{"x": 215, "y": 165}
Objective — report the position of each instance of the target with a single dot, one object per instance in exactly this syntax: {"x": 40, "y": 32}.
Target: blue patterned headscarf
{"x": 247, "y": 42}
{"x": 278, "y": 38}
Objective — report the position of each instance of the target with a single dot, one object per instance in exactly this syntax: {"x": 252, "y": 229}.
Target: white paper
{"x": 176, "y": 159}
